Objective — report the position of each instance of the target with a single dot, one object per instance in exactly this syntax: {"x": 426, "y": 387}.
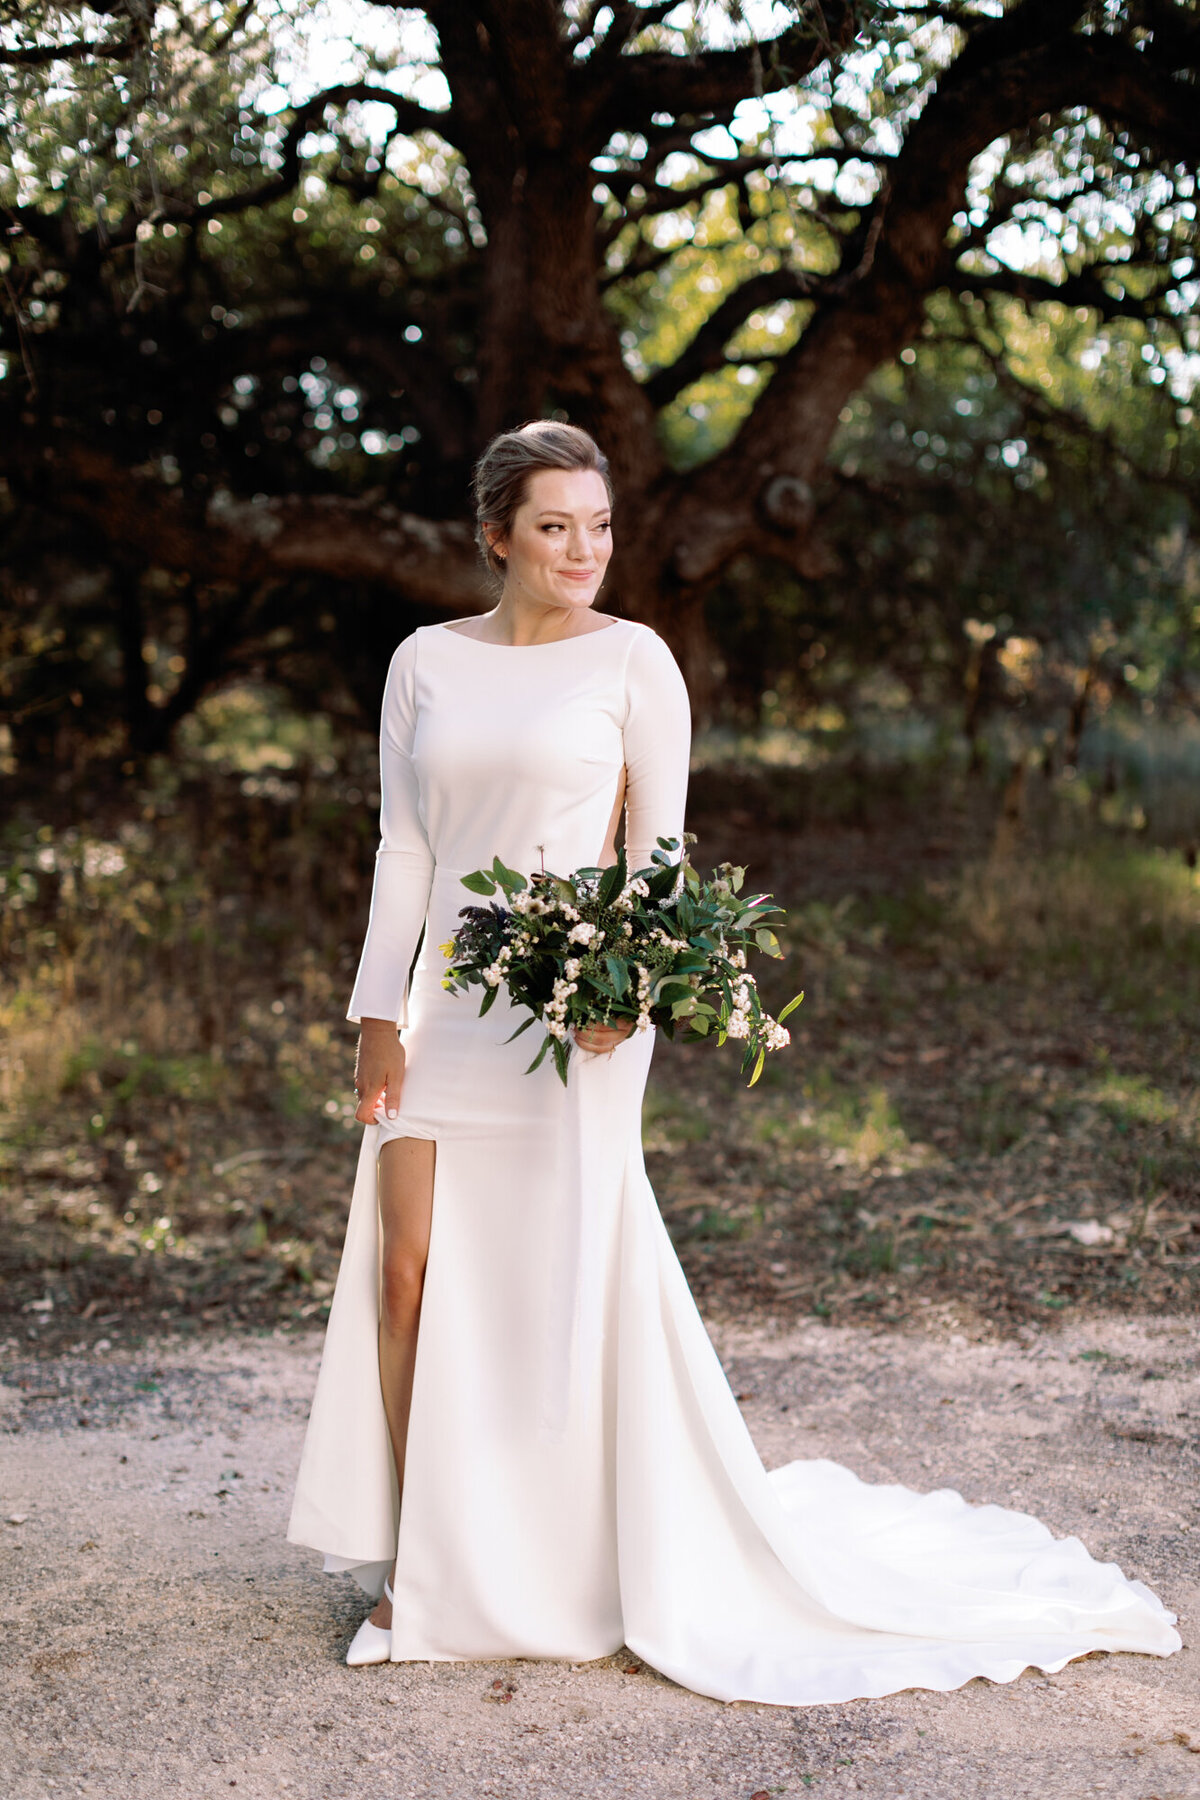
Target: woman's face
{"x": 560, "y": 540}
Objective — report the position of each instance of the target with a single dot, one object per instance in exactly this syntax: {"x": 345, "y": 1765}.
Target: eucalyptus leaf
{"x": 479, "y": 882}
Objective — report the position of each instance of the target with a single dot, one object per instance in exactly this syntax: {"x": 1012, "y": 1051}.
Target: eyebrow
{"x": 552, "y": 512}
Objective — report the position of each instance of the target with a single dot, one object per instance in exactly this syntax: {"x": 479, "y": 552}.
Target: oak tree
{"x": 257, "y": 328}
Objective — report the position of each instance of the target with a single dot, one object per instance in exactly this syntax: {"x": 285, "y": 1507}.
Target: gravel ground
{"x": 161, "y": 1638}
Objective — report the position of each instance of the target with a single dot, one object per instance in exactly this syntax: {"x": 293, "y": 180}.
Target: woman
{"x": 574, "y": 1469}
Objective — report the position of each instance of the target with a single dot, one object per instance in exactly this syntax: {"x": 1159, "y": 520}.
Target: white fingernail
{"x": 392, "y": 1112}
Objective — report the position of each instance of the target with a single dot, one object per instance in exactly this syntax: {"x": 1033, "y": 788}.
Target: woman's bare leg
{"x": 406, "y": 1211}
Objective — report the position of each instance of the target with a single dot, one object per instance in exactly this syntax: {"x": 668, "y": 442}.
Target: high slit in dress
{"x": 578, "y": 1475}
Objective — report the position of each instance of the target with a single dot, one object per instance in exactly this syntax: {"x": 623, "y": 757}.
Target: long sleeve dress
{"x": 578, "y": 1475}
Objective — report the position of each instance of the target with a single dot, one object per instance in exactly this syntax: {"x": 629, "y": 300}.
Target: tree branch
{"x": 627, "y": 22}
{"x": 40, "y": 55}
{"x": 706, "y": 351}
{"x": 224, "y": 539}
{"x": 410, "y": 117}
{"x": 625, "y": 95}
{"x": 1029, "y": 62}
{"x": 1047, "y": 413}
{"x": 1084, "y": 289}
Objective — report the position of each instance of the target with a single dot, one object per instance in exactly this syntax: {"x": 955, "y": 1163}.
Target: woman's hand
{"x": 378, "y": 1069}
{"x": 598, "y": 1040}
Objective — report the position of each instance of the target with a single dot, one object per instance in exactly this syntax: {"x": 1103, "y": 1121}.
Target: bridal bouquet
{"x": 661, "y": 947}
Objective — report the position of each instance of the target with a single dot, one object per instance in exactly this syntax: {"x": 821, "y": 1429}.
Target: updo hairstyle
{"x": 500, "y": 483}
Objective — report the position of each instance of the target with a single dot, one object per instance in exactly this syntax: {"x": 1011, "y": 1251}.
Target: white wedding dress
{"x": 578, "y": 1474}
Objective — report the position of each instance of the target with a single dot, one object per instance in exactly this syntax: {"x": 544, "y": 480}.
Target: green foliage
{"x": 607, "y": 946}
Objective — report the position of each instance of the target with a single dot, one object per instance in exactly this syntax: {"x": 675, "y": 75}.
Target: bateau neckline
{"x": 550, "y": 644}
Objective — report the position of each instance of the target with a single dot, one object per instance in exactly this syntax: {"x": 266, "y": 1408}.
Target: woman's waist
{"x": 448, "y": 877}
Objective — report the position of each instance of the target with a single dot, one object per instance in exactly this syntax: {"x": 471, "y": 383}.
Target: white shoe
{"x": 371, "y": 1643}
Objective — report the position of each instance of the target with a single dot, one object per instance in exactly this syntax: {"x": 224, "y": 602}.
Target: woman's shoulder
{"x": 405, "y": 654}
{"x": 649, "y": 646}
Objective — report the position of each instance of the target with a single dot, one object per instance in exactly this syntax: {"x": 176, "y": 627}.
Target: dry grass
{"x": 989, "y": 1111}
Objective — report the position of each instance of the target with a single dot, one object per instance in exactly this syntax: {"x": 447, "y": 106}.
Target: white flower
{"x": 583, "y": 933}
{"x": 571, "y": 967}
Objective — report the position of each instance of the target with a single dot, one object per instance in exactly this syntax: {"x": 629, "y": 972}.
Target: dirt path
{"x": 162, "y": 1639}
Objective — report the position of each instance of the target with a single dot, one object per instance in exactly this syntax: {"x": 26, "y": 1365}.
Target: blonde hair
{"x": 500, "y": 483}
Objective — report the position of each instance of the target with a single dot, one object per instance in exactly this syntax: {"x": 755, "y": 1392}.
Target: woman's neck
{"x": 523, "y": 622}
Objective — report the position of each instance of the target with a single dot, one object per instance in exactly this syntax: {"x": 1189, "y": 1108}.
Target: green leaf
{"x": 667, "y": 990}
{"x": 619, "y": 972}
{"x": 489, "y": 1000}
{"x": 614, "y": 880}
{"x": 508, "y": 879}
{"x": 479, "y": 882}
{"x": 531, "y": 1020}
{"x": 758, "y": 1068}
{"x": 768, "y": 943}
{"x": 560, "y": 1060}
{"x": 790, "y": 1008}
{"x": 541, "y": 1055}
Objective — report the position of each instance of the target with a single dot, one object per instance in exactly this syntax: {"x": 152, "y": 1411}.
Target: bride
{"x": 522, "y": 1441}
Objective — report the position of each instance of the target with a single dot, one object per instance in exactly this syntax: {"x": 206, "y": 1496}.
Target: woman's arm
{"x": 657, "y": 734}
{"x": 399, "y": 898}
{"x": 658, "y": 737}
